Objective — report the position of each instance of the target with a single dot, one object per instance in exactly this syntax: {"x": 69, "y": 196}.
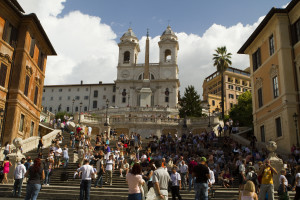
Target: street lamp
{"x": 295, "y": 116}
{"x": 1, "y": 124}
{"x": 208, "y": 107}
{"x": 73, "y": 101}
{"x": 106, "y": 123}
{"x": 79, "y": 111}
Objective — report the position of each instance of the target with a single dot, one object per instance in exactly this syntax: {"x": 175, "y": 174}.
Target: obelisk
{"x": 145, "y": 92}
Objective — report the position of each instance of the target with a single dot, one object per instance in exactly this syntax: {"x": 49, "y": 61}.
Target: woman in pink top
{"x": 134, "y": 180}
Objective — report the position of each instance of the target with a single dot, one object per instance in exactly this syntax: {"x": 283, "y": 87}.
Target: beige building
{"x": 236, "y": 82}
{"x": 274, "y": 52}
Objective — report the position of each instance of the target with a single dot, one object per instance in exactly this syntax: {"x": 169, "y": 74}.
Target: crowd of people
{"x": 169, "y": 163}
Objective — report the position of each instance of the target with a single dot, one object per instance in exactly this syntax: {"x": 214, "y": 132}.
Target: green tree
{"x": 222, "y": 62}
{"x": 190, "y": 103}
{"x": 242, "y": 111}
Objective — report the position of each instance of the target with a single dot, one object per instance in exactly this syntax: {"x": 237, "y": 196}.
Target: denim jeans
{"x": 32, "y": 191}
{"x": 66, "y": 162}
{"x": 191, "y": 180}
{"x": 201, "y": 191}
{"x": 135, "y": 196}
{"x": 99, "y": 179}
{"x": 47, "y": 177}
{"x": 17, "y": 187}
{"x": 85, "y": 187}
{"x": 183, "y": 180}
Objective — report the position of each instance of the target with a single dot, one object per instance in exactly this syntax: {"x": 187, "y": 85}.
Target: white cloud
{"x": 87, "y": 49}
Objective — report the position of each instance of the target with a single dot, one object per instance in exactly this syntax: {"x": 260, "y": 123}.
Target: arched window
{"x": 168, "y": 55}
{"x": 141, "y": 76}
{"x": 126, "y": 57}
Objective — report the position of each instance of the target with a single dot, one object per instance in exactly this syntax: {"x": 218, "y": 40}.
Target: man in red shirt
{"x": 191, "y": 166}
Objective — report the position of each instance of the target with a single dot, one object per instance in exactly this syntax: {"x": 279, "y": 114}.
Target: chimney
{"x": 81, "y": 82}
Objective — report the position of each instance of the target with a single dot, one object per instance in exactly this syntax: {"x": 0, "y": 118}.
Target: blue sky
{"x": 85, "y": 34}
{"x": 189, "y": 16}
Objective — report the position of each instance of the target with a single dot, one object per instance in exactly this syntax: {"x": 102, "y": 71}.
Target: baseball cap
{"x": 203, "y": 159}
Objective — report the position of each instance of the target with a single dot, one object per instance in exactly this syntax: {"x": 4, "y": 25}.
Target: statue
{"x": 80, "y": 155}
{"x": 18, "y": 142}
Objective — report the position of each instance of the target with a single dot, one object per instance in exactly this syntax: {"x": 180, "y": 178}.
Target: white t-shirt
{"x": 58, "y": 152}
{"x": 183, "y": 168}
{"x": 298, "y": 176}
{"x": 109, "y": 165}
{"x": 87, "y": 172}
{"x": 285, "y": 180}
{"x": 65, "y": 153}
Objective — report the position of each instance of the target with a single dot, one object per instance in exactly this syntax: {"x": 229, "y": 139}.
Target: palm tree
{"x": 222, "y": 62}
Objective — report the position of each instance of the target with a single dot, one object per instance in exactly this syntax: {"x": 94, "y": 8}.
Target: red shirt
{"x": 191, "y": 166}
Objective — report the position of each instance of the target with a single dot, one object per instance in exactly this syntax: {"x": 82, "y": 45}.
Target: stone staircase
{"x": 118, "y": 191}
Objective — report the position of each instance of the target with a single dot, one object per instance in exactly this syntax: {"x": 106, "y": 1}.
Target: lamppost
{"x": 73, "y": 101}
{"x": 80, "y": 105}
{"x": 1, "y": 124}
{"x": 295, "y": 116}
{"x": 106, "y": 123}
{"x": 208, "y": 107}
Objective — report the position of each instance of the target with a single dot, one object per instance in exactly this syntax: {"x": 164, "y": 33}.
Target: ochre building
{"x": 274, "y": 52}
{"x": 236, "y": 82}
{"x": 24, "y": 47}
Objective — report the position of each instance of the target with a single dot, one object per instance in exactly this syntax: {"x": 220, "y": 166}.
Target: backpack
{"x": 254, "y": 178}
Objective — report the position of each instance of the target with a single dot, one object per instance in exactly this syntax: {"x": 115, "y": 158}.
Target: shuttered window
{"x": 3, "y": 72}
{"x": 256, "y": 60}
{"x": 26, "y": 86}
{"x": 36, "y": 93}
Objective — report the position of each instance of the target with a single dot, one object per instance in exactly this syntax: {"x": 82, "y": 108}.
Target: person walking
{"x": 242, "y": 174}
{"x": 176, "y": 184}
{"x": 134, "y": 180}
{"x": 267, "y": 172}
{"x": 47, "y": 171}
{"x": 6, "y": 149}
{"x": 161, "y": 180}
{"x": 100, "y": 170}
{"x": 201, "y": 172}
{"x": 6, "y": 164}
{"x": 87, "y": 172}
{"x": 183, "y": 173}
{"x": 66, "y": 156}
{"x": 19, "y": 176}
{"x": 35, "y": 174}
{"x": 249, "y": 192}
{"x": 40, "y": 145}
{"x": 283, "y": 192}
{"x": 110, "y": 165}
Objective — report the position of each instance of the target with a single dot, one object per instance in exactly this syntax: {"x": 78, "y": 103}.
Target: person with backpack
{"x": 100, "y": 171}
{"x": 252, "y": 176}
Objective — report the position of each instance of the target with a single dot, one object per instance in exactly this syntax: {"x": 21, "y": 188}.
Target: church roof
{"x": 129, "y": 33}
{"x": 168, "y": 31}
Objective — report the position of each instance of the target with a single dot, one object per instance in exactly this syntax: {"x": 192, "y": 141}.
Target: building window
{"x": 51, "y": 98}
{"x": 104, "y": 88}
{"x": 256, "y": 59}
{"x": 41, "y": 60}
{"x": 31, "y": 129}
{"x": 278, "y": 127}
{"x": 237, "y": 96}
{"x": 78, "y": 89}
{"x": 271, "y": 44}
{"x": 230, "y": 87}
{"x": 32, "y": 46}
{"x": 3, "y": 71}
{"x": 95, "y": 93}
{"x": 36, "y": 94}
{"x": 262, "y": 134}
{"x": 114, "y": 98}
{"x": 123, "y": 99}
{"x": 114, "y": 88}
{"x": 260, "y": 97}
{"x": 230, "y": 96}
{"x": 10, "y": 34}
{"x": 26, "y": 86}
{"x": 238, "y": 88}
{"x": 86, "y": 97}
{"x": 43, "y": 99}
{"x": 59, "y": 98}
{"x": 68, "y": 109}
{"x": 77, "y": 97}
{"x": 213, "y": 102}
{"x": 167, "y": 99}
{"x": 126, "y": 57}
{"x": 21, "y": 125}
{"x": 231, "y": 105}
{"x": 245, "y": 90}
{"x": 60, "y": 90}
{"x": 296, "y": 32}
{"x": 85, "y": 108}
{"x": 69, "y": 98}
{"x": 104, "y": 96}
{"x": 76, "y": 109}
{"x": 86, "y": 89}
{"x": 229, "y": 79}
{"x": 50, "y": 109}
{"x": 95, "y": 104}
{"x": 69, "y": 89}
{"x": 275, "y": 87}
{"x": 237, "y": 81}
{"x": 52, "y": 90}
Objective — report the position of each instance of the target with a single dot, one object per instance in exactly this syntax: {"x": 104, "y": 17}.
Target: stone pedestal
{"x": 107, "y": 129}
{"x": 14, "y": 158}
{"x": 276, "y": 162}
{"x": 146, "y": 93}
